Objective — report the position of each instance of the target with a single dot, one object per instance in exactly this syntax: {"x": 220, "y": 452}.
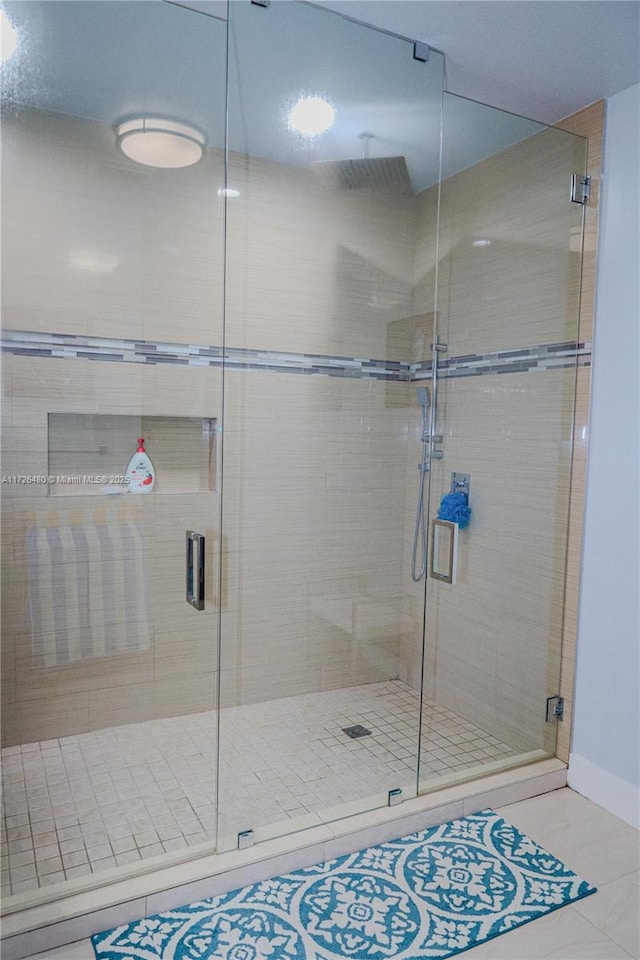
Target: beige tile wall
{"x": 413, "y": 594}
{"x": 314, "y": 466}
{"x": 588, "y": 123}
{"x": 177, "y": 671}
{"x": 313, "y": 523}
{"x": 320, "y": 473}
{"x": 95, "y": 244}
{"x": 312, "y": 270}
{"x": 523, "y": 288}
{"x": 494, "y": 639}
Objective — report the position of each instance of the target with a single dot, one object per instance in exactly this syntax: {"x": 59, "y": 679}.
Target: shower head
{"x": 423, "y": 396}
{"x": 373, "y": 173}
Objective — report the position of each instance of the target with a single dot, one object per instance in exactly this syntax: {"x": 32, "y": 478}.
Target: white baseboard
{"x": 616, "y": 795}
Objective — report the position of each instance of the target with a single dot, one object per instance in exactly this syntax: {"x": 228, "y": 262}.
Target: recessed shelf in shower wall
{"x": 82, "y": 446}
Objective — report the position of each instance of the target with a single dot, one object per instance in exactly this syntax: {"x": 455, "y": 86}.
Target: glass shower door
{"x": 112, "y": 331}
{"x": 333, "y": 132}
{"x": 507, "y": 320}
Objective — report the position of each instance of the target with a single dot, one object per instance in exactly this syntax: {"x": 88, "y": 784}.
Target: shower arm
{"x": 366, "y": 139}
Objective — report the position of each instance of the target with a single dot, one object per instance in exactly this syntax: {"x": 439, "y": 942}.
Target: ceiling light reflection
{"x": 311, "y": 116}
{"x": 8, "y": 36}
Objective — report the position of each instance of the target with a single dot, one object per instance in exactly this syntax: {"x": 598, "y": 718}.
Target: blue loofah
{"x": 455, "y": 508}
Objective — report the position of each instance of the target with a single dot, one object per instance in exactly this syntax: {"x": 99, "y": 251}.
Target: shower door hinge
{"x": 580, "y": 188}
{"x": 421, "y": 51}
{"x": 246, "y": 838}
{"x": 395, "y": 796}
{"x": 555, "y": 709}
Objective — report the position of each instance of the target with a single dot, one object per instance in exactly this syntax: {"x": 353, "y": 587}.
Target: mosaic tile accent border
{"x": 549, "y": 356}
{"x": 538, "y": 357}
{"x": 32, "y": 344}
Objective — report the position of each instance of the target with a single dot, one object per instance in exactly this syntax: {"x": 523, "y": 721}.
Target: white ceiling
{"x": 112, "y": 60}
{"x": 543, "y": 59}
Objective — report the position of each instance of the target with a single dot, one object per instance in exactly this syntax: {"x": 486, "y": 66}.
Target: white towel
{"x": 88, "y": 592}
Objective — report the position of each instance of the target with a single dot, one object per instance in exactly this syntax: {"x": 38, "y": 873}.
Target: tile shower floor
{"x": 91, "y": 802}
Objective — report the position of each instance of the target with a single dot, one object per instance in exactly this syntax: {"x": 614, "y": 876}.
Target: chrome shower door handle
{"x": 195, "y": 570}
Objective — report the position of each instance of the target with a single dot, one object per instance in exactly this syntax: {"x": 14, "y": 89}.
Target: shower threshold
{"x": 115, "y": 901}
{"x": 94, "y": 808}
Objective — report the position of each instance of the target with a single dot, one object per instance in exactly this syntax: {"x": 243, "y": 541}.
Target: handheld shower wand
{"x": 420, "y": 532}
{"x": 423, "y": 397}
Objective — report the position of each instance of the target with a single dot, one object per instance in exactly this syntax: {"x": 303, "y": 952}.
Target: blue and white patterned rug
{"x": 430, "y": 895}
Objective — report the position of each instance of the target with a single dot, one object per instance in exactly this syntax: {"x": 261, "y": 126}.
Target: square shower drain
{"x": 357, "y": 731}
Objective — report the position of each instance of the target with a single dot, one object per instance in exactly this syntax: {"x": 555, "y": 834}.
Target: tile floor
{"x": 91, "y": 802}
{"x": 595, "y": 844}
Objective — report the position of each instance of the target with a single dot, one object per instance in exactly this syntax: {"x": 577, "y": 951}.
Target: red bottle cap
{"x": 141, "y": 445}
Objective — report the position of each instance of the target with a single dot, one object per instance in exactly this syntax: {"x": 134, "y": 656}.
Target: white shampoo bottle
{"x": 140, "y": 472}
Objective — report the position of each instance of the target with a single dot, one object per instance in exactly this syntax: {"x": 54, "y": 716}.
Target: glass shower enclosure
{"x": 321, "y": 294}
{"x": 242, "y": 652}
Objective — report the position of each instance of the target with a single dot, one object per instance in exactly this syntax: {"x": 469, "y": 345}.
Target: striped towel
{"x": 88, "y": 592}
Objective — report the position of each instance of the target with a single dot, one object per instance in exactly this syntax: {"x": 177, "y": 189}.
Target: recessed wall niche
{"x": 88, "y": 452}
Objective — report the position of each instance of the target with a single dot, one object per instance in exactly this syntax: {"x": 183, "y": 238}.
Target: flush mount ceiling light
{"x": 311, "y": 116}
{"x": 156, "y": 142}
